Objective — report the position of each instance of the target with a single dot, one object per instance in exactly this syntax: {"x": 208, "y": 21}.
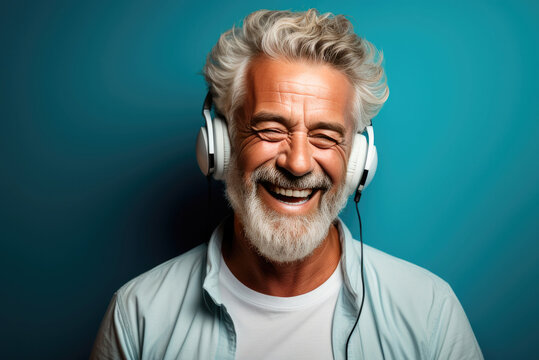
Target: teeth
{"x": 292, "y": 193}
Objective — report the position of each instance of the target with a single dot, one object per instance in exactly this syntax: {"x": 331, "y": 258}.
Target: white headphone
{"x": 213, "y": 152}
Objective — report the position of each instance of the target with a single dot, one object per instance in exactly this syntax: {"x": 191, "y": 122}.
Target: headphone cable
{"x": 210, "y": 228}
{"x": 356, "y": 200}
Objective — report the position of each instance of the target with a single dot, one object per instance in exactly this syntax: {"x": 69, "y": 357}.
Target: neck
{"x": 280, "y": 279}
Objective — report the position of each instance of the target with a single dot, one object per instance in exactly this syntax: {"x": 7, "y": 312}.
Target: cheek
{"x": 333, "y": 162}
{"x": 255, "y": 154}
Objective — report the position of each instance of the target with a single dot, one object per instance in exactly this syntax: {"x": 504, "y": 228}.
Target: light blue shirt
{"x": 174, "y": 311}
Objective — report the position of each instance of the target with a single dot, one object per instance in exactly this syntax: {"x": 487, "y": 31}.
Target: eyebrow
{"x": 330, "y": 126}
{"x": 265, "y": 116}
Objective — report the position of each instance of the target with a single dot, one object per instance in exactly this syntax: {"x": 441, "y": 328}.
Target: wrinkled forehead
{"x": 317, "y": 86}
{"x": 315, "y": 96}
{"x": 307, "y": 86}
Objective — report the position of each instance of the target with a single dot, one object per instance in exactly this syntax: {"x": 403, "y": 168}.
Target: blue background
{"x": 101, "y": 103}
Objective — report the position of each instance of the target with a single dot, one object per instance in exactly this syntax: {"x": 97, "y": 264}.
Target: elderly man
{"x": 283, "y": 278}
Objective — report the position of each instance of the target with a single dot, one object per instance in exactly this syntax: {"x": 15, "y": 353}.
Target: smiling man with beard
{"x": 283, "y": 278}
{"x": 292, "y": 140}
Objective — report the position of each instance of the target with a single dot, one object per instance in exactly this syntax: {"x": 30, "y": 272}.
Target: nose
{"x": 297, "y": 159}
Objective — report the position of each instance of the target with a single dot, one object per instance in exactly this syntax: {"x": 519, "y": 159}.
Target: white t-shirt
{"x": 272, "y": 327}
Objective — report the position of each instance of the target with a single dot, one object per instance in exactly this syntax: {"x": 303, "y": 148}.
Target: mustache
{"x": 283, "y": 179}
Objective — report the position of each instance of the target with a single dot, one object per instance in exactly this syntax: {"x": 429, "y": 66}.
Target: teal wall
{"x": 100, "y": 104}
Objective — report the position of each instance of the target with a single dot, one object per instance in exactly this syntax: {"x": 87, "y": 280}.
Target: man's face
{"x": 290, "y": 153}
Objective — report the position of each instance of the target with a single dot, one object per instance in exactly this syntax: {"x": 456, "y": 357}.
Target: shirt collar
{"x": 351, "y": 263}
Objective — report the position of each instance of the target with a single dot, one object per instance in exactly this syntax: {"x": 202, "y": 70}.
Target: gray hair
{"x": 311, "y": 36}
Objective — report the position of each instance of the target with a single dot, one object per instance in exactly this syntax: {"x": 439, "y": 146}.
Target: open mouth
{"x": 289, "y": 196}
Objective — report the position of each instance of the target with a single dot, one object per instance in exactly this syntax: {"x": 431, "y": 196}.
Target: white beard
{"x": 278, "y": 237}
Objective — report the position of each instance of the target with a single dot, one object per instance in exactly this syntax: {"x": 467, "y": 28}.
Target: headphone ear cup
{"x": 202, "y": 151}
{"x": 373, "y": 164}
{"x": 356, "y": 163}
{"x": 222, "y": 148}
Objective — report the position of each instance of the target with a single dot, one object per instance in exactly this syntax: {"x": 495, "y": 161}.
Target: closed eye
{"x": 323, "y": 141}
{"x": 272, "y": 135}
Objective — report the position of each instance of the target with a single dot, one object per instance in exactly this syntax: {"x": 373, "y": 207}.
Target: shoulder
{"x": 417, "y": 304}
{"x": 149, "y": 306}
{"x": 422, "y": 306}
{"x": 387, "y": 275}
{"x": 148, "y": 310}
{"x": 174, "y": 278}
{"x": 402, "y": 277}
{"x": 402, "y": 293}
